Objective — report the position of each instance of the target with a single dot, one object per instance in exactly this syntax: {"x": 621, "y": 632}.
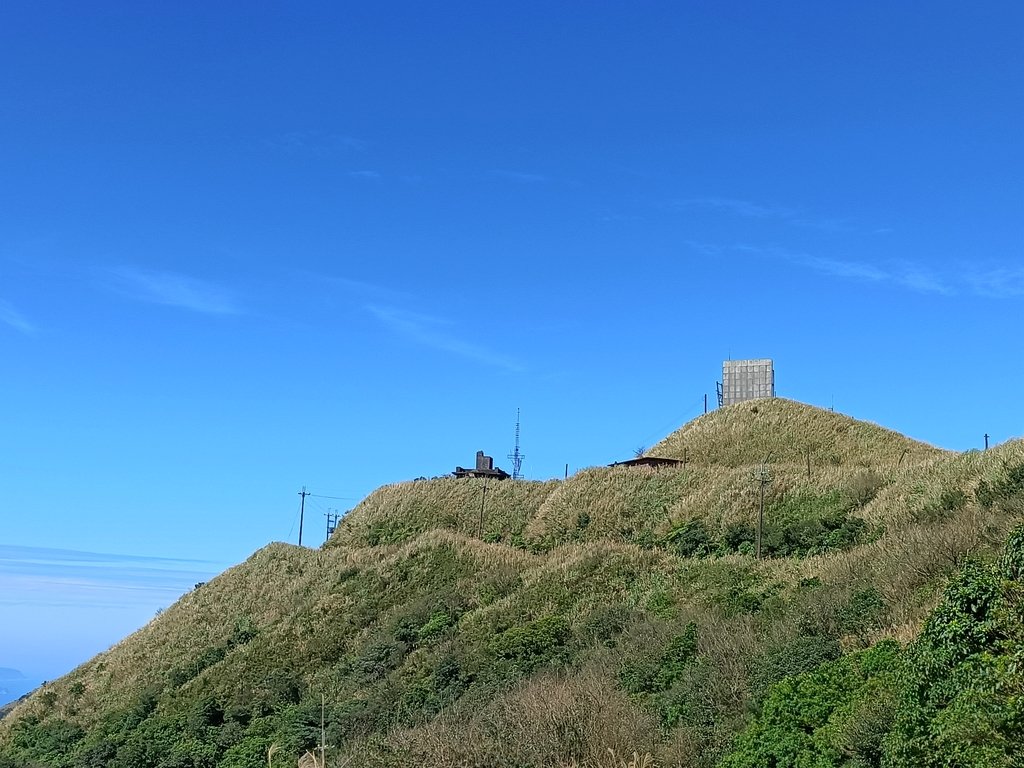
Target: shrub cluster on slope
{"x": 953, "y": 697}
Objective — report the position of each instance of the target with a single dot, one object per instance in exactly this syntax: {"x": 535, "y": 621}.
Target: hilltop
{"x": 790, "y": 432}
{"x": 546, "y": 623}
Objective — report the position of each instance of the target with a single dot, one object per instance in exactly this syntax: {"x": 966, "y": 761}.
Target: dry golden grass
{"x": 399, "y": 512}
{"x": 744, "y": 433}
{"x": 552, "y": 719}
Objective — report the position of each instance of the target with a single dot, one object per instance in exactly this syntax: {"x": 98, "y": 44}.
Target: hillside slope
{"x": 791, "y": 432}
{"x": 544, "y": 624}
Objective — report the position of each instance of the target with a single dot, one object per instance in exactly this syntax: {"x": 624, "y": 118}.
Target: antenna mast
{"x": 516, "y": 457}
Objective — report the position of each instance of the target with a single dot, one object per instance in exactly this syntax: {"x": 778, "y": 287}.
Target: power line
{"x": 339, "y": 498}
{"x": 691, "y": 410}
{"x": 319, "y": 506}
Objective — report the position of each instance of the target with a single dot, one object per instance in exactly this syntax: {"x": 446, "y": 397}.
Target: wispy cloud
{"x": 174, "y": 290}
{"x": 521, "y": 177}
{"x": 739, "y": 207}
{"x": 12, "y": 318}
{"x": 42, "y": 576}
{"x": 996, "y": 283}
{"x": 904, "y": 274}
{"x": 359, "y": 292}
{"x": 316, "y": 143}
{"x": 434, "y": 332}
{"x": 752, "y": 210}
{"x": 364, "y": 175}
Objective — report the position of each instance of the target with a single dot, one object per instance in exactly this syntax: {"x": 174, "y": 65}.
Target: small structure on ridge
{"x": 746, "y": 380}
{"x": 649, "y": 461}
{"x": 484, "y": 468}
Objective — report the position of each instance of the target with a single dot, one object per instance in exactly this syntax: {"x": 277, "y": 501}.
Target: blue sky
{"x": 338, "y": 245}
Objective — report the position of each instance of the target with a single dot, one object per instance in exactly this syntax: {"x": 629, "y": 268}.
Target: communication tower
{"x": 516, "y": 457}
{"x": 746, "y": 380}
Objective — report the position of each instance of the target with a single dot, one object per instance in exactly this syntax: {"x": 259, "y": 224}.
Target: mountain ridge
{"x": 449, "y": 624}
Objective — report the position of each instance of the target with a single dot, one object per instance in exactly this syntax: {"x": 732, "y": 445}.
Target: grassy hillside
{"x": 745, "y": 433}
{"x": 494, "y": 511}
{"x": 551, "y": 624}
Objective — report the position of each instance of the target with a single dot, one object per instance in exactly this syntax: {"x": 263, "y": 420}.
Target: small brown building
{"x": 648, "y": 461}
{"x": 484, "y": 468}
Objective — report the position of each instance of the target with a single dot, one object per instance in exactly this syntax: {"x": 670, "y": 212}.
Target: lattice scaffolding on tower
{"x": 516, "y": 457}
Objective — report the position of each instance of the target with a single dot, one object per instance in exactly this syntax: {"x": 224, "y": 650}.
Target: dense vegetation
{"x": 616, "y": 618}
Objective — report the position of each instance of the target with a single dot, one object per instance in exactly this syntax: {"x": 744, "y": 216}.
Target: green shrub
{"x": 530, "y": 645}
{"x": 807, "y": 523}
{"x": 950, "y": 501}
{"x": 960, "y": 702}
{"x": 817, "y": 719}
{"x": 862, "y": 613}
{"x": 653, "y": 674}
{"x": 690, "y": 539}
{"x": 605, "y": 623}
{"x": 1006, "y": 486}
{"x": 789, "y": 658}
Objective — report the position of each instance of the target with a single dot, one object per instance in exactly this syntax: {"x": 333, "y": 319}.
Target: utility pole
{"x": 323, "y": 732}
{"x": 483, "y": 499}
{"x": 332, "y": 522}
{"x": 762, "y": 475}
{"x": 302, "y": 510}
{"x": 705, "y": 402}
{"x": 986, "y": 441}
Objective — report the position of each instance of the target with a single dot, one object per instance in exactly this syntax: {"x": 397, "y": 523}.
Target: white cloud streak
{"x": 906, "y": 274}
{"x": 522, "y": 178}
{"x": 432, "y": 332}
{"x": 997, "y": 283}
{"x": 12, "y": 318}
{"x": 316, "y": 143}
{"x": 39, "y": 575}
{"x": 175, "y": 290}
{"x": 752, "y": 210}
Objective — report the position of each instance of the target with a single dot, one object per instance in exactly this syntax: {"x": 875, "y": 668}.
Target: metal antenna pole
{"x": 516, "y": 457}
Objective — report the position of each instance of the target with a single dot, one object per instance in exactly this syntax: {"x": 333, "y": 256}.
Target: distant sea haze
{"x": 14, "y": 685}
